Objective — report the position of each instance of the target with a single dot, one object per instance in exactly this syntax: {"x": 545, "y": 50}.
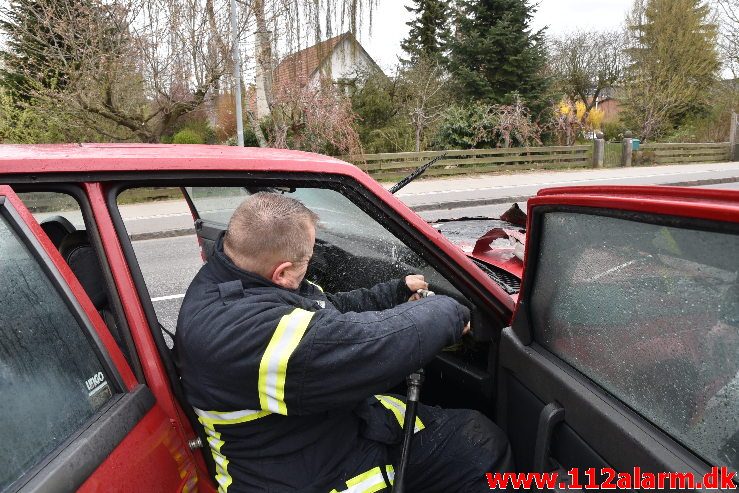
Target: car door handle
{"x": 552, "y": 414}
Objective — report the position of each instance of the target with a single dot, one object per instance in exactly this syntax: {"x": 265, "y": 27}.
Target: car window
{"x": 46, "y": 206}
{"x": 160, "y": 226}
{"x": 338, "y": 214}
{"x": 216, "y": 204}
{"x": 650, "y": 313}
{"x": 51, "y": 379}
{"x": 353, "y": 249}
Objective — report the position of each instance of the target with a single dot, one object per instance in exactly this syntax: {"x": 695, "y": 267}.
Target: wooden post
{"x": 599, "y": 150}
{"x": 626, "y": 150}
{"x": 733, "y": 151}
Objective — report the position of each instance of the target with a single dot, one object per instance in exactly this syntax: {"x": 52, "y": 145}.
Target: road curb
{"x": 155, "y": 235}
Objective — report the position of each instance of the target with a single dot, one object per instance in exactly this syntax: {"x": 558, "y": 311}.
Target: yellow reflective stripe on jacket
{"x": 273, "y": 367}
{"x": 397, "y": 407}
{"x": 211, "y": 418}
{"x": 369, "y": 482}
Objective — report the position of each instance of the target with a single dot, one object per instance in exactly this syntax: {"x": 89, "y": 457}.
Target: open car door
{"x": 624, "y": 349}
{"x": 73, "y": 414}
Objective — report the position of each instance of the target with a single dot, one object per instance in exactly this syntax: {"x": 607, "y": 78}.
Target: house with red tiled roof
{"x": 337, "y": 59}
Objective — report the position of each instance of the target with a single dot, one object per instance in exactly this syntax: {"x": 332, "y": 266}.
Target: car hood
{"x": 496, "y": 245}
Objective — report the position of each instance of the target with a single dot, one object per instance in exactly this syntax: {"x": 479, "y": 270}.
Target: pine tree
{"x": 27, "y": 41}
{"x": 429, "y": 33}
{"x": 674, "y": 63}
{"x": 37, "y": 31}
{"x": 495, "y": 55}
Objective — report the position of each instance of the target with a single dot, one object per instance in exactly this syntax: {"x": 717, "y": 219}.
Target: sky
{"x": 559, "y": 16}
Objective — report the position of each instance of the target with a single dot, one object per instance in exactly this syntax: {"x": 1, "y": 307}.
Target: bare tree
{"x": 298, "y": 19}
{"x": 314, "y": 118}
{"x": 586, "y": 63}
{"x": 132, "y": 67}
{"x": 728, "y": 13}
{"x": 423, "y": 86}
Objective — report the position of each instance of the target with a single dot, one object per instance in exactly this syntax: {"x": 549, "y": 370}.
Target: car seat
{"x": 57, "y": 228}
{"x": 82, "y": 258}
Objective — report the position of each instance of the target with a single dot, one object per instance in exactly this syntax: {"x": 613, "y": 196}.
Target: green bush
{"x": 466, "y": 127}
{"x": 614, "y": 130}
{"x": 250, "y": 138}
{"x": 188, "y": 136}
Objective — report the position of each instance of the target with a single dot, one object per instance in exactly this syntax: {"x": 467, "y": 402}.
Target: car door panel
{"x": 627, "y": 303}
{"x": 126, "y": 428}
{"x": 602, "y": 428}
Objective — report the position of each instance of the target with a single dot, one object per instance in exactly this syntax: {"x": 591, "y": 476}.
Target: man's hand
{"x": 414, "y": 283}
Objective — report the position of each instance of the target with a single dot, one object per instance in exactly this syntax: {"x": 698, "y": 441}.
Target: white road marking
{"x": 549, "y": 183}
{"x": 170, "y": 297}
{"x": 156, "y": 216}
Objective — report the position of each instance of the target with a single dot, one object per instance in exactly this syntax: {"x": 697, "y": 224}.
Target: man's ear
{"x": 278, "y": 275}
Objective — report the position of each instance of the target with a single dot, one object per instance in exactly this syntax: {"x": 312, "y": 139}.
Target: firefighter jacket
{"x": 287, "y": 384}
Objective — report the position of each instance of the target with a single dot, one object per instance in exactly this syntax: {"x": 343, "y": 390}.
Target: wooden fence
{"x": 682, "y": 153}
{"x": 394, "y": 165}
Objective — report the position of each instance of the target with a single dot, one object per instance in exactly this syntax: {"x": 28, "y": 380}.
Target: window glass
{"x": 650, "y": 313}
{"x": 47, "y": 206}
{"x": 352, "y": 249}
{"x": 216, "y": 204}
{"x": 160, "y": 226}
{"x": 51, "y": 380}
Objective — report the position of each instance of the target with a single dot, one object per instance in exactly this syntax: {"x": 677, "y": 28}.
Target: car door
{"x": 623, "y": 354}
{"x": 73, "y": 414}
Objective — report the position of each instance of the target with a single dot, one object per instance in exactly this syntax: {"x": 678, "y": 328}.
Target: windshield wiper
{"x": 415, "y": 174}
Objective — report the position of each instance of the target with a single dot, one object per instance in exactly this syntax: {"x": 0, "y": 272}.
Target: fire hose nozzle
{"x": 414, "y": 381}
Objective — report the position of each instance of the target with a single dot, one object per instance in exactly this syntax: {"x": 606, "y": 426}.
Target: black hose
{"x": 414, "y": 381}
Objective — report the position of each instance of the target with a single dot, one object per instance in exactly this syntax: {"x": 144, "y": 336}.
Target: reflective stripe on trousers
{"x": 370, "y": 481}
{"x": 211, "y": 418}
{"x": 397, "y": 407}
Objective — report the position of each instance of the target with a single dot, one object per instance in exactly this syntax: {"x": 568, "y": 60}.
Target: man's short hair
{"x": 268, "y": 228}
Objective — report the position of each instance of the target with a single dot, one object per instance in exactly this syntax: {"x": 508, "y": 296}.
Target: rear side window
{"x": 650, "y": 313}
{"x": 51, "y": 379}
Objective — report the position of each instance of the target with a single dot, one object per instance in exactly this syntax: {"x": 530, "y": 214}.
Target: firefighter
{"x": 288, "y": 381}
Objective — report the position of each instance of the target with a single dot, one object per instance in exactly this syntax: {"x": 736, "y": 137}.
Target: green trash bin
{"x": 635, "y": 143}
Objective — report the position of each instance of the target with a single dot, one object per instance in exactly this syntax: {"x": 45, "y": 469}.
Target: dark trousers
{"x": 454, "y": 451}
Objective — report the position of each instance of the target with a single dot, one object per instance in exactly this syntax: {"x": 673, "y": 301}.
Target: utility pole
{"x": 733, "y": 154}
{"x": 237, "y": 77}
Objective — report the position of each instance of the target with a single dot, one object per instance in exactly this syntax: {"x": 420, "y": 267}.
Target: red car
{"x": 612, "y": 276}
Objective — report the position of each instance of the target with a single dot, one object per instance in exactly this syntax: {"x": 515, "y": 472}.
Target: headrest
{"x": 56, "y": 228}
{"x": 76, "y": 249}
